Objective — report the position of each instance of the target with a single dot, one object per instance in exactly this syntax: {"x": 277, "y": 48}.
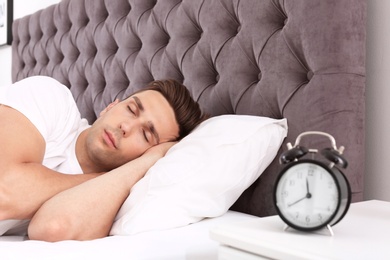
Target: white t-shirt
{"x": 50, "y": 106}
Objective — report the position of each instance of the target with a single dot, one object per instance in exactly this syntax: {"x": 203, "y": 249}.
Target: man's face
{"x": 125, "y": 130}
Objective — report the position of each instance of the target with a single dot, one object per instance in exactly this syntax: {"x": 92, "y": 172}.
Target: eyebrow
{"x": 150, "y": 124}
{"x": 139, "y": 103}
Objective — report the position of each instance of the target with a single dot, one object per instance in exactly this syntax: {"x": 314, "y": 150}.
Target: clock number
{"x": 292, "y": 182}
{"x": 285, "y": 193}
{"x": 320, "y": 218}
{"x": 300, "y": 175}
{"x": 297, "y": 215}
{"x": 307, "y": 219}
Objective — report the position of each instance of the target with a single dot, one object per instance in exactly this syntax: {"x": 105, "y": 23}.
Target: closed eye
{"x": 131, "y": 110}
{"x": 145, "y": 136}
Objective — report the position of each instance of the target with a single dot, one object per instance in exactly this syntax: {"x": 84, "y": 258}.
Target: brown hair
{"x": 187, "y": 111}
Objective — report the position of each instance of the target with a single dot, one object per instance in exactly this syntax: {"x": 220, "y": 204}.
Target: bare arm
{"x": 87, "y": 211}
{"x": 25, "y": 184}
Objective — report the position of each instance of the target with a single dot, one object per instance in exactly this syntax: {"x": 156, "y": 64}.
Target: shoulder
{"x": 37, "y": 91}
{"x": 39, "y": 86}
{"x": 43, "y": 100}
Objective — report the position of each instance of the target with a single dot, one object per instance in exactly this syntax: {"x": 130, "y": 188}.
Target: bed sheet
{"x": 189, "y": 242}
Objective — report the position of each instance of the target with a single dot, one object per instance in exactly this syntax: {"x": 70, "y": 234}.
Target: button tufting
{"x": 217, "y": 78}
{"x": 310, "y": 75}
{"x": 285, "y": 21}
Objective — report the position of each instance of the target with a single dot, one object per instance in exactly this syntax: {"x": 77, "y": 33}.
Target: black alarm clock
{"x": 310, "y": 194}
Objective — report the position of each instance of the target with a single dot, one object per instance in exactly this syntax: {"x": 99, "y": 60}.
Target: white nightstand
{"x": 364, "y": 233}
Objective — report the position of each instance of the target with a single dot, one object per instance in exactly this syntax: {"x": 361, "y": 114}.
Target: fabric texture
{"x": 50, "y": 106}
{"x": 203, "y": 175}
{"x": 300, "y": 60}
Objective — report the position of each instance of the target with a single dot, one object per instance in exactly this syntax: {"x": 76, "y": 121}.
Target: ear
{"x": 111, "y": 105}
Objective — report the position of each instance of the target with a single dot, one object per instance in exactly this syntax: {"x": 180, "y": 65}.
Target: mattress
{"x": 188, "y": 242}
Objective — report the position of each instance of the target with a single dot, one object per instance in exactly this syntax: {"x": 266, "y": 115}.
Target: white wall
{"x": 377, "y": 181}
{"x": 5, "y": 65}
{"x": 21, "y": 8}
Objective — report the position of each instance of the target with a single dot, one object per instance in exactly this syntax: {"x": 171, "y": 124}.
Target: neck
{"x": 82, "y": 155}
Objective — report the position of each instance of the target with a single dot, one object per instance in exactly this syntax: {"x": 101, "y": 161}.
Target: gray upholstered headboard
{"x": 302, "y": 60}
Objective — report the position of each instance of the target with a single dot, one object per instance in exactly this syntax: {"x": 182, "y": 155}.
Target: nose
{"x": 128, "y": 126}
{"x": 132, "y": 125}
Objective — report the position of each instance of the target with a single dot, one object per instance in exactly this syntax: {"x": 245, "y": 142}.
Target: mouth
{"x": 109, "y": 139}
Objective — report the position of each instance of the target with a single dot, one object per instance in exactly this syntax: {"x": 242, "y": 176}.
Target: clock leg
{"x": 286, "y": 227}
{"x": 330, "y": 230}
{"x": 328, "y": 227}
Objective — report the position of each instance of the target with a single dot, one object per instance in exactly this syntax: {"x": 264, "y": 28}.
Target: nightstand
{"x": 364, "y": 233}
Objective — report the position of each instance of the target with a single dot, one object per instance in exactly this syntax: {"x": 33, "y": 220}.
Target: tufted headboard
{"x": 302, "y": 60}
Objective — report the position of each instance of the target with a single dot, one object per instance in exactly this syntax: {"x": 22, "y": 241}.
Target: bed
{"x": 298, "y": 61}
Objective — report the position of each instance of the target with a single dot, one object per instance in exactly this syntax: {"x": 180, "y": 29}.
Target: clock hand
{"x": 308, "y": 194}
{"x": 307, "y": 185}
{"x": 295, "y": 202}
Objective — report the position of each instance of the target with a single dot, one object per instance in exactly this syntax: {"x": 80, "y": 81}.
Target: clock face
{"x": 307, "y": 195}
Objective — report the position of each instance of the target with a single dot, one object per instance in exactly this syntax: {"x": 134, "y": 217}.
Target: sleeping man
{"x": 57, "y": 173}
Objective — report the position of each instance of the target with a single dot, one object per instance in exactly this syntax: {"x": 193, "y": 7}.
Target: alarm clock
{"x": 310, "y": 194}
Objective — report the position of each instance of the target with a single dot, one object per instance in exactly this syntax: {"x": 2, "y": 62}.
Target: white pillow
{"x": 203, "y": 175}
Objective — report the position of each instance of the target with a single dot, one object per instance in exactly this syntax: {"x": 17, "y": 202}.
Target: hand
{"x": 159, "y": 150}
{"x": 307, "y": 186}
{"x": 295, "y": 202}
{"x": 307, "y": 196}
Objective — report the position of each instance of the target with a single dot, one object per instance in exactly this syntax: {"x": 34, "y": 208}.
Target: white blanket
{"x": 189, "y": 242}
